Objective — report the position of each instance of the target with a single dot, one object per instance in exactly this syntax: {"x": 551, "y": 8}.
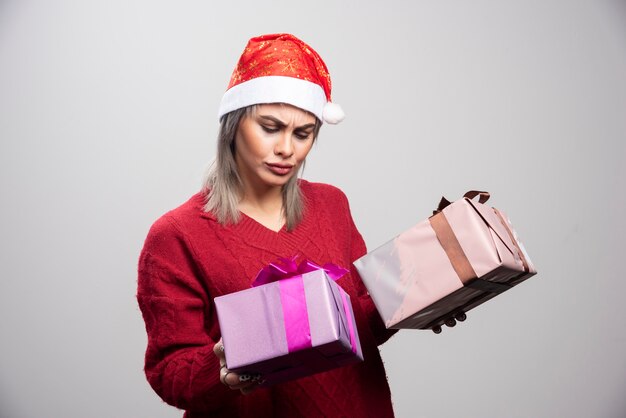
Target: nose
{"x": 284, "y": 146}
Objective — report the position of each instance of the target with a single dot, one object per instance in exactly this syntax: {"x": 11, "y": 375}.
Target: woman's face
{"x": 271, "y": 144}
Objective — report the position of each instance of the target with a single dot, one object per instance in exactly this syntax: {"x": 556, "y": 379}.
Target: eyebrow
{"x": 282, "y": 124}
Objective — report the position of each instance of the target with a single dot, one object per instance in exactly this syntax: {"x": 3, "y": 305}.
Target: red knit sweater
{"x": 189, "y": 258}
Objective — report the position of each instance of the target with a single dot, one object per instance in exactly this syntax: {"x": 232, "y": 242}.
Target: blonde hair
{"x": 222, "y": 185}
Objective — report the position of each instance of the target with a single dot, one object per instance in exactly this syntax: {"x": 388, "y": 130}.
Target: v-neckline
{"x": 256, "y": 234}
{"x": 260, "y": 225}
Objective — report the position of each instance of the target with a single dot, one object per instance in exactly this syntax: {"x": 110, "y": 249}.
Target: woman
{"x": 252, "y": 211}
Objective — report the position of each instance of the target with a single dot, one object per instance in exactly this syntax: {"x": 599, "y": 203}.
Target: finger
{"x": 224, "y": 374}
{"x": 232, "y": 380}
{"x": 249, "y": 388}
{"x": 218, "y": 348}
{"x": 239, "y": 381}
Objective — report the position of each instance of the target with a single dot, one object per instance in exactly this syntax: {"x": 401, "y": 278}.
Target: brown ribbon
{"x": 454, "y": 251}
{"x": 452, "y": 247}
{"x": 484, "y": 196}
{"x": 443, "y": 203}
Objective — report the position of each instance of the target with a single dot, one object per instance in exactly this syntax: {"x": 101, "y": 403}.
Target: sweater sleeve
{"x": 179, "y": 363}
{"x": 358, "y": 249}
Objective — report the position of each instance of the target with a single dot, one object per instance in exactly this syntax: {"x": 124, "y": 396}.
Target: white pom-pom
{"x": 333, "y": 113}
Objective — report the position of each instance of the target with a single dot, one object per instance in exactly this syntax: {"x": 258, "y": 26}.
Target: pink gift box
{"x": 462, "y": 256}
{"x": 289, "y": 328}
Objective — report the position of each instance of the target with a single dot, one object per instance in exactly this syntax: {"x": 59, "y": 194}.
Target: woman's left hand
{"x": 243, "y": 382}
{"x": 450, "y": 322}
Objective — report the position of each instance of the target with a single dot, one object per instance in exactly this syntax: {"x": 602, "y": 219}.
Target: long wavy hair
{"x": 223, "y": 187}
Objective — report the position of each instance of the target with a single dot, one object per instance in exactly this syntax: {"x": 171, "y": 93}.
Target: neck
{"x": 265, "y": 199}
{"x": 264, "y": 206}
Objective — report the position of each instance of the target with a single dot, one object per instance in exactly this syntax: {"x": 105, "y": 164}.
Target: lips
{"x": 280, "y": 169}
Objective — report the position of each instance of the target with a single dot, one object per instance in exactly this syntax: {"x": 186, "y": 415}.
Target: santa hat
{"x": 280, "y": 68}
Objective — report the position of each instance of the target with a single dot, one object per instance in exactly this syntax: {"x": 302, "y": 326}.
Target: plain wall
{"x": 108, "y": 119}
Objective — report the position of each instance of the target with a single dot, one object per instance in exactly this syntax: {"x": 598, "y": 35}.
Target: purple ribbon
{"x": 293, "y": 299}
{"x": 289, "y": 268}
{"x": 293, "y": 302}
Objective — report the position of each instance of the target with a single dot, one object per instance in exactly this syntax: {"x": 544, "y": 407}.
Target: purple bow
{"x": 289, "y": 268}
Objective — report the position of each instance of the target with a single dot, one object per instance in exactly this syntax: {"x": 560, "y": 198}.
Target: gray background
{"x": 107, "y": 120}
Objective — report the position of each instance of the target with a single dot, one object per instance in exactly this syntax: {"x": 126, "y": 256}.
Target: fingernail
{"x": 450, "y": 322}
{"x": 244, "y": 377}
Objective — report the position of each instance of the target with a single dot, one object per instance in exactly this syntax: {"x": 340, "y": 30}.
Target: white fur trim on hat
{"x": 275, "y": 89}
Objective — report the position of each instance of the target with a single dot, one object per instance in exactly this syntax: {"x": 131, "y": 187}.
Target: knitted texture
{"x": 189, "y": 258}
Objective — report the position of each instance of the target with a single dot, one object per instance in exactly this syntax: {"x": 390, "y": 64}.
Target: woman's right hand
{"x": 245, "y": 383}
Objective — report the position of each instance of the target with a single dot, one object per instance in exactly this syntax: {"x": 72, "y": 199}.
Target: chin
{"x": 277, "y": 181}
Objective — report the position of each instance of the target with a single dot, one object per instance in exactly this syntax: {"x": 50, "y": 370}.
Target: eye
{"x": 302, "y": 135}
{"x": 269, "y": 129}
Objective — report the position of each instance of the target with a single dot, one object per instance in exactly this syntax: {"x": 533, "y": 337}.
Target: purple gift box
{"x": 290, "y": 328}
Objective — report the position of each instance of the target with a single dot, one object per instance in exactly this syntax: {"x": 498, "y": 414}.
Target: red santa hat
{"x": 280, "y": 68}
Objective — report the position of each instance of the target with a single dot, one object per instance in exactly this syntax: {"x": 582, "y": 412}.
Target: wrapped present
{"x": 294, "y": 322}
{"x": 462, "y": 256}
